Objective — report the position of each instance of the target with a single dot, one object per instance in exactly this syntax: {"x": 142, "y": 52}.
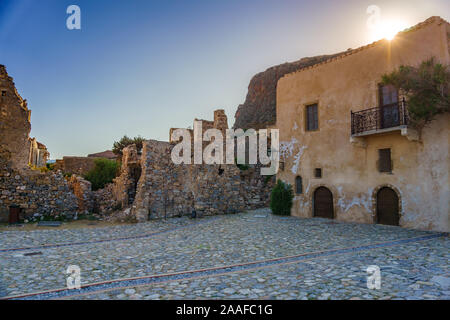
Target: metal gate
{"x": 323, "y": 203}
{"x": 387, "y": 207}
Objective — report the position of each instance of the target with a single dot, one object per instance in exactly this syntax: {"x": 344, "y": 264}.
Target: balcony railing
{"x": 374, "y": 119}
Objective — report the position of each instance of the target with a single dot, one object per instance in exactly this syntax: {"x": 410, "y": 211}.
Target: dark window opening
{"x": 389, "y": 113}
{"x": 281, "y": 165}
{"x": 298, "y": 185}
{"x": 384, "y": 160}
{"x": 318, "y": 172}
{"x": 3, "y": 93}
{"x": 221, "y": 171}
{"x": 312, "y": 117}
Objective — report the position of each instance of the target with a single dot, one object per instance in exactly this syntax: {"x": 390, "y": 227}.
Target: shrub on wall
{"x": 281, "y": 199}
{"x": 426, "y": 88}
{"x": 103, "y": 173}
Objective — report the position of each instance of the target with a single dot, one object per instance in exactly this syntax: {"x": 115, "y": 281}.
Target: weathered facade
{"x": 345, "y": 140}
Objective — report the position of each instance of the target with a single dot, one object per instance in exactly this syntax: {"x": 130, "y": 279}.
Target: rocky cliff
{"x": 259, "y": 108}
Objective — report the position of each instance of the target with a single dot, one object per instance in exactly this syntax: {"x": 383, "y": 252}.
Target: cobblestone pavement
{"x": 249, "y": 255}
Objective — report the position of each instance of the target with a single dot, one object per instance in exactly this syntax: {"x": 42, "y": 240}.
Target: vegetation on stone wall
{"x": 103, "y": 173}
{"x": 125, "y": 141}
{"x": 281, "y": 199}
{"x": 426, "y": 88}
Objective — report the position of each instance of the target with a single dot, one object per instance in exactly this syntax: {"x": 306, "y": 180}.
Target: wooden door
{"x": 323, "y": 203}
{"x": 387, "y": 207}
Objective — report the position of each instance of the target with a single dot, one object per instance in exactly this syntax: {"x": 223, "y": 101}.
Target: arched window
{"x": 298, "y": 185}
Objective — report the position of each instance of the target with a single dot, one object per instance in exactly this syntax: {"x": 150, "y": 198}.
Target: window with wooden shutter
{"x": 312, "y": 117}
{"x": 298, "y": 185}
{"x": 384, "y": 160}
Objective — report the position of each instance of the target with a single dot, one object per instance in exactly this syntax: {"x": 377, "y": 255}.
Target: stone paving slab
{"x": 223, "y": 240}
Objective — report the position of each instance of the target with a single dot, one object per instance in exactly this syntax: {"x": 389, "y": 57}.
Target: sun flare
{"x": 388, "y": 29}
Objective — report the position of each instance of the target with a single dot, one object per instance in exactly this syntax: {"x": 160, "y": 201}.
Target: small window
{"x": 298, "y": 185}
{"x": 312, "y": 118}
{"x": 3, "y": 93}
{"x": 318, "y": 172}
{"x": 384, "y": 160}
{"x": 281, "y": 166}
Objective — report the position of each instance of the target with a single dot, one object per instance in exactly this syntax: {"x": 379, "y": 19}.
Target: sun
{"x": 388, "y": 29}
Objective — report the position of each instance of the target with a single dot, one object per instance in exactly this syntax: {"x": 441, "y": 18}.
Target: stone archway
{"x": 323, "y": 206}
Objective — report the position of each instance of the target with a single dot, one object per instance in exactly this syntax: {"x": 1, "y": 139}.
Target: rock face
{"x": 259, "y": 108}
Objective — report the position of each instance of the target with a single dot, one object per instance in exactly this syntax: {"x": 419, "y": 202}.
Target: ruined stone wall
{"x": 38, "y": 194}
{"x": 75, "y": 165}
{"x": 167, "y": 190}
{"x": 82, "y": 189}
{"x": 15, "y": 123}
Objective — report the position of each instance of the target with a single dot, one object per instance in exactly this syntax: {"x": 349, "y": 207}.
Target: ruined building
{"x": 15, "y": 123}
{"x": 38, "y": 194}
{"x": 152, "y": 186}
{"x": 348, "y": 147}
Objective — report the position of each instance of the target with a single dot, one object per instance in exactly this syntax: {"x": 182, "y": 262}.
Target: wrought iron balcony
{"x": 380, "y": 118}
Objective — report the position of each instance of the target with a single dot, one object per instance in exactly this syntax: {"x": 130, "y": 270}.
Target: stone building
{"x": 165, "y": 189}
{"x": 15, "y": 123}
{"x": 346, "y": 143}
{"x": 38, "y": 155}
{"x": 36, "y": 193}
{"x": 75, "y": 165}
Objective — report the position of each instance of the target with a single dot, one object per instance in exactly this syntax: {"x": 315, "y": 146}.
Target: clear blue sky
{"x": 143, "y": 66}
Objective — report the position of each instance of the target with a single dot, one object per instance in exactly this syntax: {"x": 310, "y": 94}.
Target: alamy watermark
{"x": 73, "y": 22}
{"x": 73, "y": 281}
{"x": 374, "y": 277}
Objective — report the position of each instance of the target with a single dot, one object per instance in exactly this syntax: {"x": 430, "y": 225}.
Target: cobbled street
{"x": 252, "y": 255}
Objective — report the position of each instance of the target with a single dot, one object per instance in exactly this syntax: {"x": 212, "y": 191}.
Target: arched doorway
{"x": 323, "y": 203}
{"x": 387, "y": 207}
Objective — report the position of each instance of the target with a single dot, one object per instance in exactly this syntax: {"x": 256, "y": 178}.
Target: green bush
{"x": 103, "y": 173}
{"x": 281, "y": 199}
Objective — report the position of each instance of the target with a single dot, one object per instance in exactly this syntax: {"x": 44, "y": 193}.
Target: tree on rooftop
{"x": 426, "y": 88}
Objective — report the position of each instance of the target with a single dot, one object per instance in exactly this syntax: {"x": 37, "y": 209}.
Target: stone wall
{"x": 38, "y": 194}
{"x": 82, "y": 189}
{"x": 75, "y": 165}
